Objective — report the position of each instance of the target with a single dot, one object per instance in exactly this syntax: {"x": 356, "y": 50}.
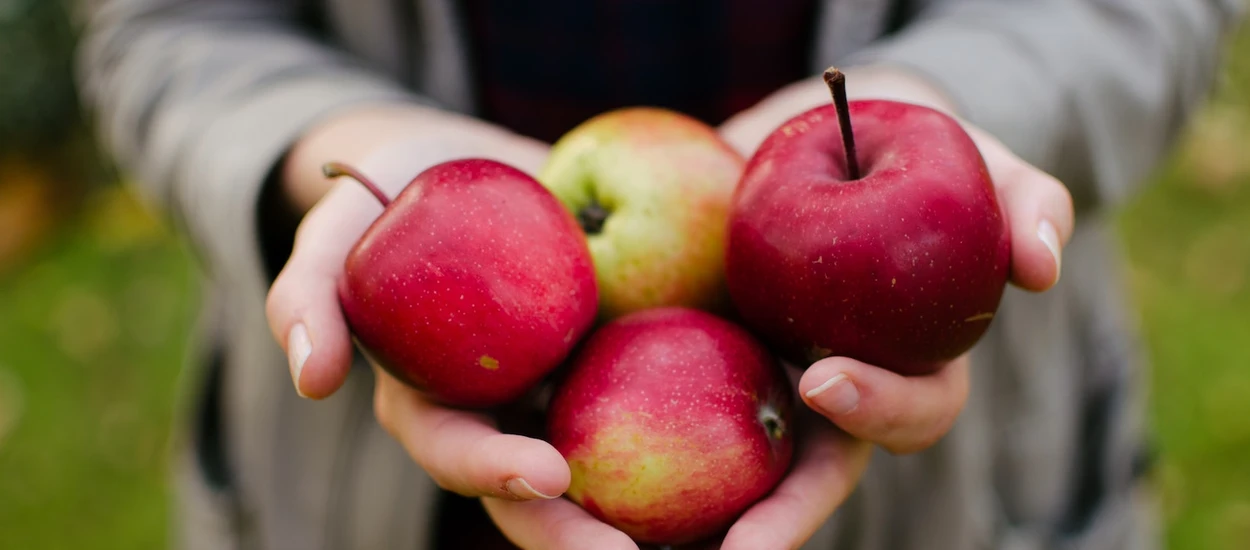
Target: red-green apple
{"x": 673, "y": 422}
{"x": 885, "y": 244}
{"x": 651, "y": 188}
{"x": 472, "y": 285}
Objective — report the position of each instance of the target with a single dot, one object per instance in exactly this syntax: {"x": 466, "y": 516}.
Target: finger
{"x": 1039, "y": 210}
{"x": 464, "y": 452}
{"x": 554, "y": 525}
{"x": 826, "y": 470}
{"x": 303, "y": 305}
{"x": 903, "y": 414}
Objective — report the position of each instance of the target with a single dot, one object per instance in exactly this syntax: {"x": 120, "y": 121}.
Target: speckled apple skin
{"x": 472, "y": 286}
{"x": 667, "y": 180}
{"x": 903, "y": 268}
{"x": 660, "y": 421}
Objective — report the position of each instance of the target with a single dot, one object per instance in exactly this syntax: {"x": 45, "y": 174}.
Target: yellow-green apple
{"x": 886, "y": 244}
{"x": 651, "y": 189}
{"x": 472, "y": 285}
{"x": 673, "y": 422}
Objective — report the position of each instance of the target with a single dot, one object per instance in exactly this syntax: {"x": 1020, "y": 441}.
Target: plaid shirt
{"x": 542, "y": 67}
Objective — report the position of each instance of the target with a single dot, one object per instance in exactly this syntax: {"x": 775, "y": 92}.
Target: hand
{"x": 901, "y": 414}
{"x": 462, "y": 451}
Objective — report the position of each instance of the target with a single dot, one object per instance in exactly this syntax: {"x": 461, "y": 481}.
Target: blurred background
{"x": 97, "y": 299}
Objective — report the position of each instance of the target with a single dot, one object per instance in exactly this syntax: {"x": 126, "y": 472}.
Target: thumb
{"x": 303, "y": 303}
{"x": 1039, "y": 210}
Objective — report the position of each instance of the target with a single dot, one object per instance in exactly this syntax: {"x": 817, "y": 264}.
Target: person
{"x": 224, "y": 110}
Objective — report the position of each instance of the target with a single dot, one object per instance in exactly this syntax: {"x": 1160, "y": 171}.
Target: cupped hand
{"x": 462, "y": 451}
{"x": 907, "y": 414}
{"x": 902, "y": 414}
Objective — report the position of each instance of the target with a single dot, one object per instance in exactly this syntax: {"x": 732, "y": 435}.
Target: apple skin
{"x": 673, "y": 422}
{"x": 472, "y": 285}
{"x": 903, "y": 268}
{"x": 665, "y": 181}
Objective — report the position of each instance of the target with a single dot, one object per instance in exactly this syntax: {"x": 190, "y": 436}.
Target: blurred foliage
{"x": 1188, "y": 240}
{"x": 93, "y": 331}
{"x": 94, "y": 324}
{"x": 38, "y": 105}
{"x": 48, "y": 159}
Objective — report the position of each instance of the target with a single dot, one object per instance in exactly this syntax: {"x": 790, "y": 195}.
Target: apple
{"x": 472, "y": 285}
{"x": 886, "y": 244}
{"x": 673, "y": 422}
{"x": 651, "y": 188}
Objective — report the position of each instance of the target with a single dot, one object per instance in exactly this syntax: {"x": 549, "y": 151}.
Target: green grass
{"x": 94, "y": 330}
{"x": 92, "y": 337}
{"x": 1188, "y": 240}
{"x": 1191, "y": 257}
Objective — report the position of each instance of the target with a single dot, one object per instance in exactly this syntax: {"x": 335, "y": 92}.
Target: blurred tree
{"x": 38, "y": 106}
{"x": 47, "y": 157}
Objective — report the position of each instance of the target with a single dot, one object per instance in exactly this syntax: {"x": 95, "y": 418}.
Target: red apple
{"x": 673, "y": 422}
{"x": 473, "y": 284}
{"x": 900, "y": 264}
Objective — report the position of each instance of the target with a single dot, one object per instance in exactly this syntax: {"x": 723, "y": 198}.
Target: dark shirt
{"x": 542, "y": 67}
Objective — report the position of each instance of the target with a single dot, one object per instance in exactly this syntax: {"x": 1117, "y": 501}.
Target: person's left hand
{"x": 864, "y": 403}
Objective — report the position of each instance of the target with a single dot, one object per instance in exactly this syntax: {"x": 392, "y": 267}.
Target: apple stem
{"x": 338, "y": 169}
{"x": 836, "y": 80}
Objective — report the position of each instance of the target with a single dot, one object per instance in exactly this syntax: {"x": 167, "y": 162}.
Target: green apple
{"x": 652, "y": 189}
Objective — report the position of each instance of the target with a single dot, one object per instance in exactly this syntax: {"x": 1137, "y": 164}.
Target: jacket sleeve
{"x": 1090, "y": 91}
{"x": 198, "y": 100}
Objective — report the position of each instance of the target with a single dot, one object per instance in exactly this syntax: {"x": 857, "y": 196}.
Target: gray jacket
{"x": 1050, "y": 448}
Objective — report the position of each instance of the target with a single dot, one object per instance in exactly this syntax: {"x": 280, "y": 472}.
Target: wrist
{"x": 748, "y": 129}
{"x": 897, "y": 84}
{"x": 862, "y": 82}
{"x": 397, "y": 139}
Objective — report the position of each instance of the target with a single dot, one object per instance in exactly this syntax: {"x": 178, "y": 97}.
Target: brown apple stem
{"x": 338, "y": 169}
{"x": 836, "y": 81}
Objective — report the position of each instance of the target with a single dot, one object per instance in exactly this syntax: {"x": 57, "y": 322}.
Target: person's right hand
{"x": 462, "y": 451}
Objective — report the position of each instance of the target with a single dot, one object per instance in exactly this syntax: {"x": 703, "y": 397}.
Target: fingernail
{"x": 298, "y": 348}
{"x": 836, "y": 396}
{"x": 1049, "y": 237}
{"x": 524, "y": 491}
